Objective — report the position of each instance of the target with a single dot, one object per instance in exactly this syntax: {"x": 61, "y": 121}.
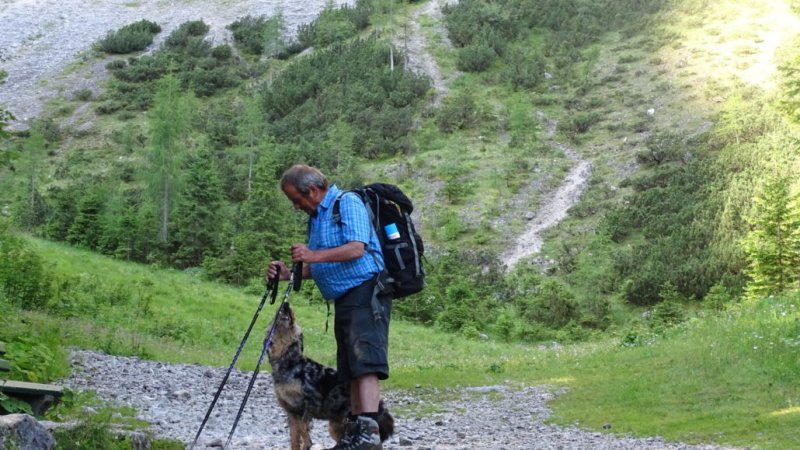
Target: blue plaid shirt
{"x": 334, "y": 279}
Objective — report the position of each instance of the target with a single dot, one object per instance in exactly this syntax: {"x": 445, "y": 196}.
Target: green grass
{"x": 729, "y": 378}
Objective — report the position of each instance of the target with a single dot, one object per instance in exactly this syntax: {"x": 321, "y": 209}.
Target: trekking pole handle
{"x": 297, "y": 275}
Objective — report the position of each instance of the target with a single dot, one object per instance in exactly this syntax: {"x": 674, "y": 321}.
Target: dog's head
{"x": 287, "y": 332}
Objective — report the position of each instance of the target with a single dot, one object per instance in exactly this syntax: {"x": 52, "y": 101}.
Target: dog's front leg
{"x": 299, "y": 433}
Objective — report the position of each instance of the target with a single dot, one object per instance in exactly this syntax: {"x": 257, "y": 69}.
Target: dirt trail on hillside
{"x": 40, "y": 39}
{"x": 555, "y": 206}
{"x": 554, "y": 209}
{"x": 414, "y": 44}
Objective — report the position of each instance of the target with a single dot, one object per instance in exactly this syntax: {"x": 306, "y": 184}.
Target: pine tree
{"x": 199, "y": 211}
{"x": 169, "y": 126}
{"x": 773, "y": 244}
{"x": 62, "y": 211}
{"x": 5, "y": 155}
{"x": 31, "y": 208}
{"x": 259, "y": 232}
{"x": 274, "y": 33}
{"x": 790, "y": 101}
{"x": 5, "y": 117}
{"x": 86, "y": 230}
{"x": 122, "y": 232}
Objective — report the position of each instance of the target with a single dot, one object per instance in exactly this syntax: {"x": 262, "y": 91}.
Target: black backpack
{"x": 402, "y": 254}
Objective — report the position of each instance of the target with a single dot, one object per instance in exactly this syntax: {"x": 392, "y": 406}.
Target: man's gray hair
{"x": 302, "y": 177}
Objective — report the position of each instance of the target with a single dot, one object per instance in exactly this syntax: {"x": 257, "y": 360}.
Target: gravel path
{"x": 174, "y": 398}
{"x": 39, "y": 39}
{"x": 415, "y": 45}
{"x": 554, "y": 207}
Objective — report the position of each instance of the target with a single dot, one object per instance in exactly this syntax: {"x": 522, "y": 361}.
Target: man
{"x": 344, "y": 258}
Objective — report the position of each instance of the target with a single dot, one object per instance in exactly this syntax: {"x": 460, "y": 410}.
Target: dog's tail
{"x": 385, "y": 421}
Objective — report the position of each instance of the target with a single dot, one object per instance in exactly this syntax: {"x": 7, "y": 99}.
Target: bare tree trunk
{"x": 33, "y": 193}
{"x": 391, "y": 37}
{"x": 250, "y": 171}
{"x": 163, "y": 234}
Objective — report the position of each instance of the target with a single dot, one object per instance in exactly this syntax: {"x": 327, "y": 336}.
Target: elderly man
{"x": 344, "y": 258}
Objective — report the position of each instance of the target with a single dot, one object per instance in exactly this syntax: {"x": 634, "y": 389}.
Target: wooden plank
{"x": 5, "y": 366}
{"x": 23, "y": 387}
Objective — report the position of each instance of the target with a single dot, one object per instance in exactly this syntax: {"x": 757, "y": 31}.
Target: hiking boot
{"x": 362, "y": 434}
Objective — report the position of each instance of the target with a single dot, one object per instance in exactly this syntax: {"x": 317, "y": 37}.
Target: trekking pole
{"x": 272, "y": 287}
{"x": 294, "y": 283}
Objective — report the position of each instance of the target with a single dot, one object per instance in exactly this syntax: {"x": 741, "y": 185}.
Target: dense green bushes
{"x": 348, "y": 84}
{"x": 457, "y": 112}
{"x": 670, "y": 215}
{"x": 476, "y": 26}
{"x": 130, "y": 38}
{"x": 23, "y": 281}
{"x": 260, "y": 35}
{"x": 468, "y": 292}
{"x": 524, "y": 69}
{"x": 475, "y": 58}
{"x": 335, "y": 24}
{"x": 185, "y": 53}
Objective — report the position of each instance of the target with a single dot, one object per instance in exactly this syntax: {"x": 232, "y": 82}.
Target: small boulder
{"x": 23, "y": 431}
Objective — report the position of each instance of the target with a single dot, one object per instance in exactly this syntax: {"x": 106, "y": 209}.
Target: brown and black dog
{"x": 308, "y": 390}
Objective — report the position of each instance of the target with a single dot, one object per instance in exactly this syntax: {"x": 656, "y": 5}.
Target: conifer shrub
{"x": 524, "y": 70}
{"x": 348, "y": 82}
{"x": 138, "y": 70}
{"x": 335, "y": 25}
{"x": 579, "y": 123}
{"x": 83, "y": 95}
{"x": 222, "y": 52}
{"x": 669, "y": 312}
{"x": 248, "y": 33}
{"x": 457, "y": 113}
{"x": 360, "y": 13}
{"x": 207, "y": 81}
{"x": 475, "y": 58}
{"x": 116, "y": 64}
{"x": 131, "y": 38}
{"x": 187, "y": 33}
{"x": 553, "y": 305}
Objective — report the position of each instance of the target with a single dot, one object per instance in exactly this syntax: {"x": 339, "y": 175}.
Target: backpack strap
{"x": 383, "y": 282}
{"x": 337, "y": 218}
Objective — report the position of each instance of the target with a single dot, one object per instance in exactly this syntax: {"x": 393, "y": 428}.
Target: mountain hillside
{"x": 572, "y": 162}
{"x": 607, "y": 190}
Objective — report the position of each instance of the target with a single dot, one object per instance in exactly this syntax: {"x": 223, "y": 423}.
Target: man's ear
{"x": 314, "y": 193}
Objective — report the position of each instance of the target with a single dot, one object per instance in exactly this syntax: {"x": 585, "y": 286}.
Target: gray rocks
{"x": 21, "y": 431}
{"x": 41, "y": 38}
{"x": 173, "y": 398}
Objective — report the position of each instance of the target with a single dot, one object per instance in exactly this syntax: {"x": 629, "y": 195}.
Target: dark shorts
{"x": 362, "y": 342}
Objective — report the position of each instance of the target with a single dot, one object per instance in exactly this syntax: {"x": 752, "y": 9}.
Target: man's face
{"x": 307, "y": 203}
